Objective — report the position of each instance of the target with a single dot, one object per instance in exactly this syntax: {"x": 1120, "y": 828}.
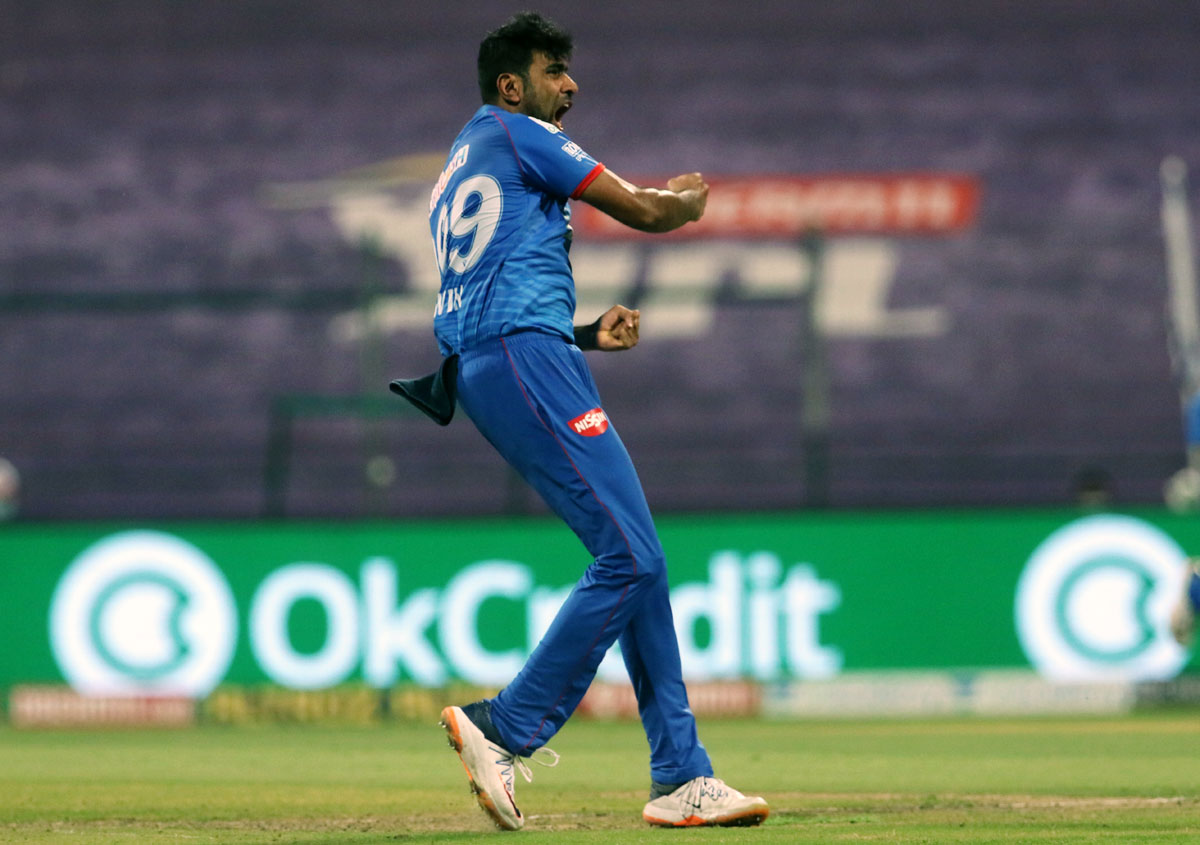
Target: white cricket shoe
{"x": 1183, "y": 614}
{"x": 705, "y": 801}
{"x": 489, "y": 768}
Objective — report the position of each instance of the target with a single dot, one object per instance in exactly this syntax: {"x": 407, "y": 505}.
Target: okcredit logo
{"x": 1094, "y": 600}
{"x": 143, "y": 612}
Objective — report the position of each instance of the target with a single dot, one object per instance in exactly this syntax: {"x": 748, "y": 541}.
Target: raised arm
{"x": 649, "y": 209}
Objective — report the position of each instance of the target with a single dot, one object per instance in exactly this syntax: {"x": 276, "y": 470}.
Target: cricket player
{"x": 1187, "y": 604}
{"x": 503, "y": 319}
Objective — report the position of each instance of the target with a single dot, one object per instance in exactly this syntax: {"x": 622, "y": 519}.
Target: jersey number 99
{"x": 482, "y": 196}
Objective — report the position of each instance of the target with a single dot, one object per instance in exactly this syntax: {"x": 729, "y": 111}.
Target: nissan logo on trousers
{"x": 1094, "y": 599}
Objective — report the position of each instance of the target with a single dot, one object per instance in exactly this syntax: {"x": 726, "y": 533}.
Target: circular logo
{"x": 143, "y": 612}
{"x": 1094, "y": 601}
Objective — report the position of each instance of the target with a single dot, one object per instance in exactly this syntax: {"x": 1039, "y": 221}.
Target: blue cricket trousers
{"x": 532, "y": 396}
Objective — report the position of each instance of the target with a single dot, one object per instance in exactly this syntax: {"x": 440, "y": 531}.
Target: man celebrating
{"x": 503, "y": 320}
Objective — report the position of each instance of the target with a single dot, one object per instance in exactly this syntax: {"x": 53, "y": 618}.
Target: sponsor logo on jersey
{"x": 591, "y": 424}
{"x": 573, "y": 150}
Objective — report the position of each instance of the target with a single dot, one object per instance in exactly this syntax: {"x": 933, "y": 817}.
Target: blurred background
{"x": 213, "y": 255}
{"x": 933, "y": 280}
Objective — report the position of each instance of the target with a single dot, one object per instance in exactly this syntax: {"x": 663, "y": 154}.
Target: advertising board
{"x": 181, "y": 609}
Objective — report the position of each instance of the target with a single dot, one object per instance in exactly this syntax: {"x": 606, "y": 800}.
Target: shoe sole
{"x": 450, "y": 723}
{"x": 746, "y": 818}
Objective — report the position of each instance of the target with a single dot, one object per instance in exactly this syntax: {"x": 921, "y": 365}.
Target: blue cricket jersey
{"x": 499, "y": 219}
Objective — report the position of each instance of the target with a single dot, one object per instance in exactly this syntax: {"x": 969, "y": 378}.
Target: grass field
{"x": 1123, "y": 780}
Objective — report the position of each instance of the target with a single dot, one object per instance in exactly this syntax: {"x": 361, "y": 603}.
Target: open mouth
{"x": 562, "y": 110}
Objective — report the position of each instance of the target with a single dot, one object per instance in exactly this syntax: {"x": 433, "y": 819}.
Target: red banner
{"x": 792, "y": 206}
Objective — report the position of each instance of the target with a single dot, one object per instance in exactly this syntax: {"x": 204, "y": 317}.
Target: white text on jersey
{"x": 460, "y": 158}
{"x": 448, "y": 300}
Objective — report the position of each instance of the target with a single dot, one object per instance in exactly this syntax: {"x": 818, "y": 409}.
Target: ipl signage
{"x": 180, "y": 610}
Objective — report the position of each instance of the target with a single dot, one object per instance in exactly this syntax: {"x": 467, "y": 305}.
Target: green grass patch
{"x": 1119, "y": 780}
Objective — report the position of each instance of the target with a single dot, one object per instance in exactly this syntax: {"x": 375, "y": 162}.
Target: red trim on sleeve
{"x": 587, "y": 180}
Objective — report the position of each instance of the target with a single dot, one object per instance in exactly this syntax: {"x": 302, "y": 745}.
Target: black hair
{"x": 510, "y": 49}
